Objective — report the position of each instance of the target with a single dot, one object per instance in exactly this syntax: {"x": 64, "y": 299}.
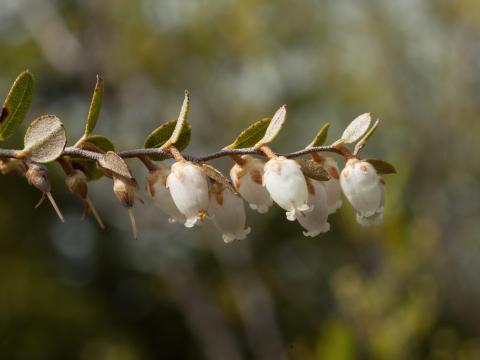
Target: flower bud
{"x": 315, "y": 221}
{"x": 77, "y": 184}
{"x": 247, "y": 179}
{"x": 13, "y": 167}
{"x": 228, "y": 213}
{"x": 364, "y": 189}
{"x": 157, "y": 189}
{"x": 332, "y": 186}
{"x": 287, "y": 186}
{"x": 189, "y": 189}
{"x": 124, "y": 192}
{"x": 37, "y": 176}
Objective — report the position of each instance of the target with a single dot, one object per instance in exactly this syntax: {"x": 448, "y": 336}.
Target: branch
{"x": 73, "y": 151}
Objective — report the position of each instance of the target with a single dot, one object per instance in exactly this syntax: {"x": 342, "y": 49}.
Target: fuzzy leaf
{"x": 16, "y": 104}
{"x": 114, "y": 165}
{"x": 382, "y": 167}
{"x": 95, "y": 106}
{"x": 359, "y": 146}
{"x": 320, "y": 137}
{"x": 313, "y": 170}
{"x": 356, "y": 128}
{"x": 160, "y": 135}
{"x": 181, "y": 122}
{"x": 274, "y": 127}
{"x": 214, "y": 174}
{"x": 251, "y": 135}
{"x": 45, "y": 139}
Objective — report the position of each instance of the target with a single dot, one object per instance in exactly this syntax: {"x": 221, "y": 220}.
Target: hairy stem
{"x": 87, "y": 154}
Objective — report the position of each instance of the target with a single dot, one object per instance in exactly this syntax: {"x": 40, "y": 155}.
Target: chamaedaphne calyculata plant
{"x": 305, "y": 183}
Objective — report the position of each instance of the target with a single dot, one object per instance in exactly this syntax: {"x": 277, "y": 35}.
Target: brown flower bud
{"x": 37, "y": 176}
{"x": 124, "y": 192}
{"x": 13, "y": 167}
{"x": 77, "y": 184}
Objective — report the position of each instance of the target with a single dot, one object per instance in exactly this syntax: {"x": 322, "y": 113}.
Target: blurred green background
{"x": 408, "y": 289}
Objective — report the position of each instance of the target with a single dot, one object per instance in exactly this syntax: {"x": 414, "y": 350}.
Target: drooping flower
{"x": 286, "y": 184}
{"x": 157, "y": 189}
{"x": 189, "y": 189}
{"x": 364, "y": 189}
{"x": 247, "y": 179}
{"x": 315, "y": 221}
{"x": 332, "y": 186}
{"x": 227, "y": 213}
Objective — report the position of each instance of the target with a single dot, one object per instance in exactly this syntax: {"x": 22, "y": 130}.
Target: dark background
{"x": 408, "y": 289}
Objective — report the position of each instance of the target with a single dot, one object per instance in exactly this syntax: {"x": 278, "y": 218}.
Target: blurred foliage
{"x": 408, "y": 289}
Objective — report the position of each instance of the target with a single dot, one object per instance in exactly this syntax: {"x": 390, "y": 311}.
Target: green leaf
{"x": 95, "y": 106}
{"x": 102, "y": 142}
{"x": 160, "y": 135}
{"x": 274, "y": 127}
{"x": 88, "y": 167}
{"x": 45, "y": 139}
{"x": 181, "y": 122}
{"x": 313, "y": 170}
{"x": 320, "y": 137}
{"x": 356, "y": 128}
{"x": 382, "y": 166}
{"x": 16, "y": 104}
{"x": 251, "y": 135}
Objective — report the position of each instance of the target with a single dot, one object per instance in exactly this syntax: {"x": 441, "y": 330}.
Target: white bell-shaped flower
{"x": 157, "y": 189}
{"x": 332, "y": 186}
{"x": 227, "y": 212}
{"x": 315, "y": 221}
{"x": 247, "y": 179}
{"x": 364, "y": 189}
{"x": 189, "y": 189}
{"x": 286, "y": 184}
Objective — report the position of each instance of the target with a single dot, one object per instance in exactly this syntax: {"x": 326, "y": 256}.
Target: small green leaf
{"x": 313, "y": 170}
{"x": 214, "y": 174}
{"x": 382, "y": 167}
{"x": 88, "y": 167}
{"x": 45, "y": 139}
{"x": 181, "y": 122}
{"x": 251, "y": 135}
{"x": 356, "y": 128}
{"x": 320, "y": 137}
{"x": 16, "y": 104}
{"x": 114, "y": 165}
{"x": 95, "y": 106}
{"x": 102, "y": 142}
{"x": 274, "y": 127}
{"x": 160, "y": 135}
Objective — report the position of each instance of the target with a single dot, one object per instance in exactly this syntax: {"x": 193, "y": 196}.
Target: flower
{"x": 247, "y": 179}
{"x": 332, "y": 186}
{"x": 157, "y": 189}
{"x": 315, "y": 221}
{"x": 365, "y": 190}
{"x": 227, "y": 213}
{"x": 286, "y": 184}
{"x": 189, "y": 189}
